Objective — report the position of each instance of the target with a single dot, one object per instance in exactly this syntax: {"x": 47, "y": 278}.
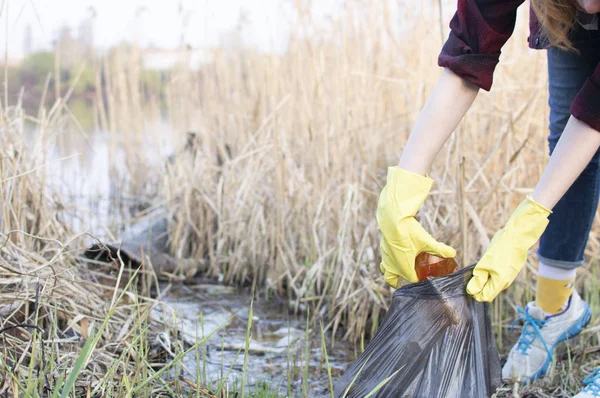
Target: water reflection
{"x": 94, "y": 172}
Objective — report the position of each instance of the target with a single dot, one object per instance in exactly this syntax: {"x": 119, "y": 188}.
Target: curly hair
{"x": 557, "y": 19}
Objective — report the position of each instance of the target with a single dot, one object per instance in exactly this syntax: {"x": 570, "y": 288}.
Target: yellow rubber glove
{"x": 507, "y": 253}
{"x": 403, "y": 237}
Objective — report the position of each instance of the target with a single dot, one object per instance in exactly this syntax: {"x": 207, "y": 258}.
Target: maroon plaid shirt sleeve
{"x": 479, "y": 29}
{"x": 586, "y": 105}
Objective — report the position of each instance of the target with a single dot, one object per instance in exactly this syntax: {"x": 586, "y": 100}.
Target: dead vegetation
{"x": 290, "y": 154}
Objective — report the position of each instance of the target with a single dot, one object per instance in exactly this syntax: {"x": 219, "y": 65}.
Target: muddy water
{"x": 280, "y": 351}
{"x": 90, "y": 172}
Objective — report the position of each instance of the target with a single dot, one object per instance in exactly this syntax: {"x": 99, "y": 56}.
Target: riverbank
{"x": 275, "y": 194}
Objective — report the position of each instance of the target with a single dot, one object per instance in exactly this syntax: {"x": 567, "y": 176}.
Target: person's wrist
{"x": 413, "y": 167}
{"x": 410, "y": 173}
{"x": 539, "y": 205}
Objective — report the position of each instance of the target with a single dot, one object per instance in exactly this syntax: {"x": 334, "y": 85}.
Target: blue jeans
{"x": 563, "y": 243}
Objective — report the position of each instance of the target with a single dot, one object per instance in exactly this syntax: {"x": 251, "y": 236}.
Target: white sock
{"x": 558, "y": 274}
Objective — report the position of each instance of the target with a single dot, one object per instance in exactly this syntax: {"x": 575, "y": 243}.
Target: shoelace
{"x": 592, "y": 382}
{"x": 531, "y": 330}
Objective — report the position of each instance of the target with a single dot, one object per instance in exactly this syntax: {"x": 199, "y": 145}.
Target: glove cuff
{"x": 541, "y": 208}
{"x": 528, "y": 222}
{"x": 396, "y": 172}
{"x": 408, "y": 188}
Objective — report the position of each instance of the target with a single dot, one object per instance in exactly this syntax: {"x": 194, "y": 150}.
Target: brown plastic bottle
{"x": 427, "y": 265}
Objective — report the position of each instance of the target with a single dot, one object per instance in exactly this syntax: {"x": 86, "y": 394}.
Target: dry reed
{"x": 50, "y": 299}
{"x": 290, "y": 154}
{"x": 293, "y": 149}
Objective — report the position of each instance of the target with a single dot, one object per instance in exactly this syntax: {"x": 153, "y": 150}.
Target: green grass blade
{"x": 248, "y": 330}
{"x": 179, "y": 357}
{"x": 80, "y": 362}
{"x": 356, "y": 376}
{"x": 222, "y": 383}
{"x": 380, "y": 385}
{"x": 306, "y": 354}
{"x": 59, "y": 382}
{"x": 324, "y": 345}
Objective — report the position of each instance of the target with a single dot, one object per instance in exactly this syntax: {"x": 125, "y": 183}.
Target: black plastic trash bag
{"x": 434, "y": 342}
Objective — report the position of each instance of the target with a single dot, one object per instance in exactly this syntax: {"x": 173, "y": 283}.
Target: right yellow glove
{"x": 403, "y": 237}
{"x": 507, "y": 253}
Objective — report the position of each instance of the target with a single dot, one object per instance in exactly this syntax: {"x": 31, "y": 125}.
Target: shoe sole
{"x": 572, "y": 331}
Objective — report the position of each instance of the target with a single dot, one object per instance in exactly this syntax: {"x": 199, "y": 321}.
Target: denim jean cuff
{"x": 559, "y": 263}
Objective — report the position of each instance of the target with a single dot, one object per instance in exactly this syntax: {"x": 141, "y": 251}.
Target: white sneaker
{"x": 592, "y": 388}
{"x": 530, "y": 358}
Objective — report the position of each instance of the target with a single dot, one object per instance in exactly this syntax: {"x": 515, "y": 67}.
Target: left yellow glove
{"x": 403, "y": 237}
{"x": 507, "y": 252}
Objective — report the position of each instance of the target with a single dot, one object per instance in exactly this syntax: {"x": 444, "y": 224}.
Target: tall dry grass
{"x": 292, "y": 151}
{"x": 279, "y": 190}
{"x": 51, "y": 299}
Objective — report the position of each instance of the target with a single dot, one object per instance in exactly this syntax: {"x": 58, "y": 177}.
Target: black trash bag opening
{"x": 435, "y": 341}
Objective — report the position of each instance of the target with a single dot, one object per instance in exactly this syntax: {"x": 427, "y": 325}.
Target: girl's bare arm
{"x": 576, "y": 147}
{"x": 444, "y": 109}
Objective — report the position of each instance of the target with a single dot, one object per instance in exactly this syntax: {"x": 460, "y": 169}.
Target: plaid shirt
{"x": 480, "y": 28}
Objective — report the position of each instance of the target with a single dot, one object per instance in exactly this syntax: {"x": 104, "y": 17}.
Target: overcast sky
{"x": 160, "y": 22}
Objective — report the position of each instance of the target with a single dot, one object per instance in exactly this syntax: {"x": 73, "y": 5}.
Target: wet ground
{"x": 277, "y": 349}
{"x": 90, "y": 175}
